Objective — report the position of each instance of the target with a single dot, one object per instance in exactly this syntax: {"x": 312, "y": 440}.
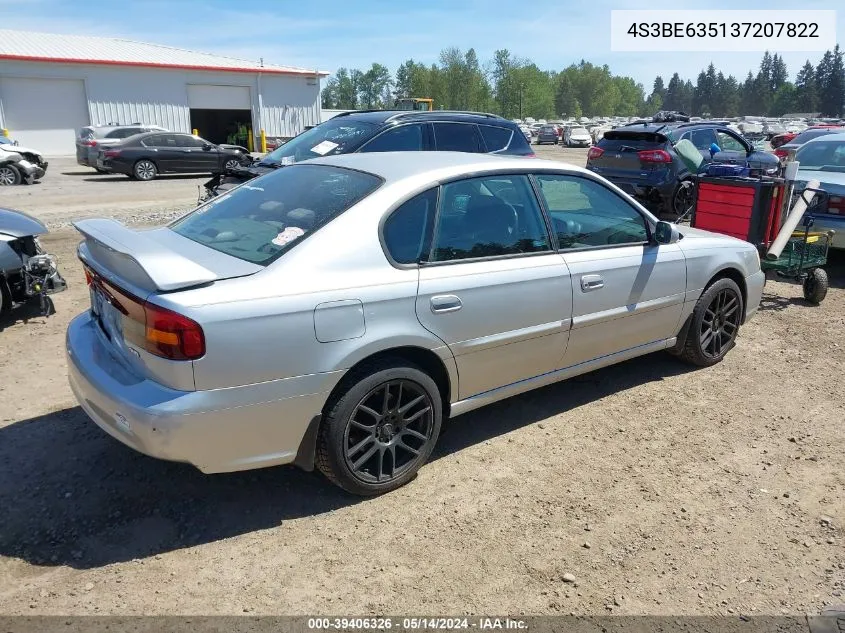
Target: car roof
{"x": 836, "y": 136}
{"x": 385, "y": 116}
{"x": 396, "y": 166}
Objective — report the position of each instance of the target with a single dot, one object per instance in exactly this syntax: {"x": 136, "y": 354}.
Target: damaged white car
{"x": 19, "y": 165}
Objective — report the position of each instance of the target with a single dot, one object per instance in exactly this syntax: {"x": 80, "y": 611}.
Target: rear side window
{"x": 123, "y": 132}
{"x": 702, "y": 139}
{"x": 263, "y": 218}
{"x": 457, "y": 137}
{"x": 496, "y": 138}
{"x": 488, "y": 217}
{"x": 406, "y": 229}
{"x": 156, "y": 140}
{"x": 405, "y": 138}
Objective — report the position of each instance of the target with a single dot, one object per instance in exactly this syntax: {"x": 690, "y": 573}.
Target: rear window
{"x": 630, "y": 141}
{"x": 822, "y": 155}
{"x": 265, "y": 217}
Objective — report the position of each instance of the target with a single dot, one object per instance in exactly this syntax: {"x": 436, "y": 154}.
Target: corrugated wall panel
{"x": 290, "y": 104}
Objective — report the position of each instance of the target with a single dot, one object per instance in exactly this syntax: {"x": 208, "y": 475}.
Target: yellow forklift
{"x": 415, "y": 103}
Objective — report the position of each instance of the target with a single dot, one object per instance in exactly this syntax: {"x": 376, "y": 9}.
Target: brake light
{"x": 157, "y": 330}
{"x": 654, "y": 156}
{"x": 171, "y": 335}
{"x": 111, "y": 153}
{"x": 90, "y": 143}
{"x": 835, "y": 205}
{"x": 594, "y": 152}
{"x": 781, "y": 153}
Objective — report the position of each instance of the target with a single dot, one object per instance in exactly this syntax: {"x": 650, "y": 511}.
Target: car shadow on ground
{"x": 112, "y": 178}
{"x": 21, "y": 314}
{"x": 71, "y": 495}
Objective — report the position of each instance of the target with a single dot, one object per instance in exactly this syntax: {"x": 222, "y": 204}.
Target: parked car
{"x": 15, "y": 169}
{"x": 27, "y": 153}
{"x": 823, "y": 159}
{"x": 92, "y": 138}
{"x": 144, "y": 156}
{"x": 577, "y": 136}
{"x": 548, "y": 134}
{"x": 345, "y": 307}
{"x": 27, "y": 272}
{"x": 388, "y": 130}
{"x": 641, "y": 159}
{"x": 783, "y": 151}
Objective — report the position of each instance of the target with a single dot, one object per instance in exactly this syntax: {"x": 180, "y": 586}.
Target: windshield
{"x": 822, "y": 156}
{"x": 265, "y": 217}
{"x": 579, "y": 130}
{"x": 335, "y": 136}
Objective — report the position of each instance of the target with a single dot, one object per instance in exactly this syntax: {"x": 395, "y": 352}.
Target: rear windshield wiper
{"x": 628, "y": 148}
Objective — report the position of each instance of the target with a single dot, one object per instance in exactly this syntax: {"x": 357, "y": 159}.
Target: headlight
{"x": 26, "y": 164}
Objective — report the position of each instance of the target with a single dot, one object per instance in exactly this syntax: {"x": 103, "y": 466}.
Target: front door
{"x": 493, "y": 289}
{"x": 626, "y": 291}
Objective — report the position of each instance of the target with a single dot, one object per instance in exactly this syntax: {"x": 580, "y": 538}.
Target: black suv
{"x": 388, "y": 131}
{"x": 641, "y": 160}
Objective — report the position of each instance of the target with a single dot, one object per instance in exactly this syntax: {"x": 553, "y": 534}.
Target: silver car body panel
{"x": 280, "y": 339}
{"x": 20, "y": 224}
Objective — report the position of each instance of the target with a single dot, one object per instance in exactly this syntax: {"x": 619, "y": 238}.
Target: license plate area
{"x": 107, "y": 316}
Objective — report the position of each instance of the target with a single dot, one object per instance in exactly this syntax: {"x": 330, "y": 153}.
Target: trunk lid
{"x": 154, "y": 260}
{"x": 620, "y": 159}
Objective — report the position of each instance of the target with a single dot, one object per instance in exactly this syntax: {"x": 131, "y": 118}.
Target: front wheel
{"x": 144, "y": 170}
{"x": 816, "y": 285}
{"x": 683, "y": 198}
{"x": 9, "y": 175}
{"x": 714, "y": 324}
{"x": 381, "y": 429}
{"x": 232, "y": 163}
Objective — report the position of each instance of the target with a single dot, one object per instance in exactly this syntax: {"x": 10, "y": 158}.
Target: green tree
{"x": 806, "y": 92}
{"x": 373, "y": 85}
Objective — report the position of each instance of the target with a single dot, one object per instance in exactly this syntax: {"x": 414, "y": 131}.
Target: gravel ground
{"x": 644, "y": 488}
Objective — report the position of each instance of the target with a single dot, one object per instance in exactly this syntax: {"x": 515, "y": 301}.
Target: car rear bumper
{"x": 220, "y": 430}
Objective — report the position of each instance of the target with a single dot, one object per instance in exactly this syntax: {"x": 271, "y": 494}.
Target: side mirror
{"x": 666, "y": 233}
{"x": 206, "y": 147}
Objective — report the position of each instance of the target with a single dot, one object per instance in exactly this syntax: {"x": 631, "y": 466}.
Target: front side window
{"x": 265, "y": 217}
{"x": 405, "y": 138}
{"x": 585, "y": 213}
{"x": 406, "y": 229}
{"x": 487, "y": 217}
{"x": 702, "y": 139}
{"x": 457, "y": 137}
{"x": 335, "y": 136}
{"x": 727, "y": 142}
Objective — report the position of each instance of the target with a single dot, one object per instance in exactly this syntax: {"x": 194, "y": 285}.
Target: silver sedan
{"x": 335, "y": 312}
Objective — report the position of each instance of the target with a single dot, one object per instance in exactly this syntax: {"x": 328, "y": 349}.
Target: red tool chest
{"x": 746, "y": 208}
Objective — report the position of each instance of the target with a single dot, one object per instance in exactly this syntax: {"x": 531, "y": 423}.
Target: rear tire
{"x": 9, "y": 175}
{"x": 714, "y": 324}
{"x": 144, "y": 170}
{"x": 816, "y": 285}
{"x": 682, "y": 198}
{"x": 380, "y": 428}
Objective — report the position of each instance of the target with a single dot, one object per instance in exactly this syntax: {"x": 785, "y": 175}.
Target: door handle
{"x": 591, "y": 282}
{"x": 441, "y": 304}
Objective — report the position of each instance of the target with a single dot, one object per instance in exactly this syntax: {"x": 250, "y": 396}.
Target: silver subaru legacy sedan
{"x": 334, "y": 313}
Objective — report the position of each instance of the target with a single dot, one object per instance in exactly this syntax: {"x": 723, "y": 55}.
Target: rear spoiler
{"x": 142, "y": 261}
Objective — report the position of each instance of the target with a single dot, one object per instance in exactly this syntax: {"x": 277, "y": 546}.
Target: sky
{"x": 328, "y": 34}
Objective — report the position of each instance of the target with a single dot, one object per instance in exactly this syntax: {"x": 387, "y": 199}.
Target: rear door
{"x": 702, "y": 139}
{"x": 492, "y": 287}
{"x": 165, "y": 151}
{"x": 402, "y": 138}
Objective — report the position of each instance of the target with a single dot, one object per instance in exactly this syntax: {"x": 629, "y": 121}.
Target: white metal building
{"x": 52, "y": 85}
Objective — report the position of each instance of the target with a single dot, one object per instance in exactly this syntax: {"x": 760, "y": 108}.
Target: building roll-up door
{"x": 44, "y": 114}
{"x": 209, "y": 97}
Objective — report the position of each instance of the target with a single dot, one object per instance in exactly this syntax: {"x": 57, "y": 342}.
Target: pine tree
{"x": 806, "y": 90}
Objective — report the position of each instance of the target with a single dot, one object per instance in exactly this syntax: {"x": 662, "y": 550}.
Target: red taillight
{"x": 159, "y": 331}
{"x": 172, "y": 335}
{"x": 594, "y": 152}
{"x": 654, "y": 156}
{"x": 90, "y": 143}
{"x": 111, "y": 153}
{"x": 781, "y": 153}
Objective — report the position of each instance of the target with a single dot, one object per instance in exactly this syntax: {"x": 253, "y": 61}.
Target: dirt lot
{"x": 661, "y": 490}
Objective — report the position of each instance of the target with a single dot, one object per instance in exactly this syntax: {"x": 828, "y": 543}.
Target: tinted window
{"x": 585, "y": 213}
{"x": 483, "y": 217}
{"x": 263, "y": 218}
{"x": 702, "y": 139}
{"x": 123, "y": 132}
{"x": 810, "y": 134}
{"x": 496, "y": 138}
{"x": 405, "y": 138}
{"x": 457, "y": 137}
{"x": 406, "y": 228}
{"x": 156, "y": 140}
{"x": 727, "y": 142}
{"x": 191, "y": 141}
